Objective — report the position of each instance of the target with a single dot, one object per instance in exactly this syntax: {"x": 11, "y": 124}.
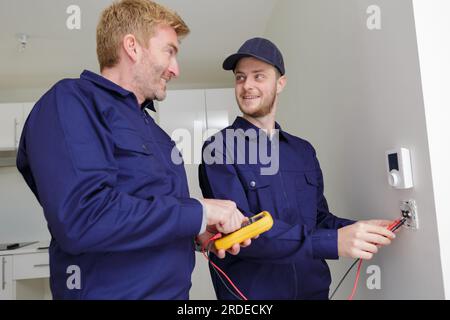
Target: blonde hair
{"x": 137, "y": 17}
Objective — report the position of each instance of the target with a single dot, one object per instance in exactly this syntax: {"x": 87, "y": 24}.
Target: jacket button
{"x": 252, "y": 184}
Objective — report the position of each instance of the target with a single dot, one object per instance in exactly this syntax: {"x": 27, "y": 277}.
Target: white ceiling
{"x": 54, "y": 52}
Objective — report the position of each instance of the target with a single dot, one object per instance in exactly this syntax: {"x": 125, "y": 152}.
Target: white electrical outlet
{"x": 409, "y": 211}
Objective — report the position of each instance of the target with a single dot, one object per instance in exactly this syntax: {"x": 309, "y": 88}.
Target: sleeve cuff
{"x": 191, "y": 219}
{"x": 203, "y": 226}
{"x": 345, "y": 222}
{"x": 324, "y": 244}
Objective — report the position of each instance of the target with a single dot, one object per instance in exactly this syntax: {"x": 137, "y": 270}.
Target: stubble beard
{"x": 148, "y": 80}
{"x": 264, "y": 109}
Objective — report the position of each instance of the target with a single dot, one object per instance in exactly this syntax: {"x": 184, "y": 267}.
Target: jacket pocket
{"x": 133, "y": 153}
{"x": 130, "y": 142}
{"x": 257, "y": 189}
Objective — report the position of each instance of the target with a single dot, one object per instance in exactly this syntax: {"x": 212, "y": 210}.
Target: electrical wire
{"x": 355, "y": 285}
{"x": 402, "y": 222}
{"x": 393, "y": 227}
{"x": 216, "y": 268}
{"x": 242, "y": 297}
{"x": 224, "y": 283}
{"x": 343, "y": 278}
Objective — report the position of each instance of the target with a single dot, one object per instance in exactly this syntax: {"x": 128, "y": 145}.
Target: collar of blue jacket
{"x": 111, "y": 86}
{"x": 242, "y": 123}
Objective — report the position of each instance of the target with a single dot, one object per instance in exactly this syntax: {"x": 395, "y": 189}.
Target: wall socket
{"x": 409, "y": 211}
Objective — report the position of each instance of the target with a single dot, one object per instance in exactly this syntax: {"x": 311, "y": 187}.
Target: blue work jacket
{"x": 288, "y": 261}
{"x": 118, "y": 209}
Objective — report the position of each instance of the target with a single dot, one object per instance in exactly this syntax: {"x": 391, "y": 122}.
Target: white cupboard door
{"x": 26, "y": 109}
{"x": 6, "y": 284}
{"x": 221, "y": 108}
{"x": 182, "y": 116}
{"x": 188, "y": 111}
{"x": 10, "y": 118}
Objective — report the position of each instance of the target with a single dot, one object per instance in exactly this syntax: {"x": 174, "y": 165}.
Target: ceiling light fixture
{"x": 23, "y": 41}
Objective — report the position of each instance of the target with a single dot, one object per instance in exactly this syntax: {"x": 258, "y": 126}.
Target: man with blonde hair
{"x": 118, "y": 209}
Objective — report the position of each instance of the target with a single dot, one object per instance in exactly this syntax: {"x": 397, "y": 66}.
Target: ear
{"x": 131, "y": 47}
{"x": 281, "y": 83}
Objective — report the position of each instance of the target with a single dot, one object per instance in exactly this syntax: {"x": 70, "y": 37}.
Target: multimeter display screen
{"x": 254, "y": 219}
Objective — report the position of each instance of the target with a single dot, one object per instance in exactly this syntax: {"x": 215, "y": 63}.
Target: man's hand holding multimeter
{"x": 221, "y": 253}
{"x": 232, "y": 242}
{"x": 223, "y": 214}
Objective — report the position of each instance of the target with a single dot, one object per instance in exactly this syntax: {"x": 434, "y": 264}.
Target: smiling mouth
{"x": 250, "y": 97}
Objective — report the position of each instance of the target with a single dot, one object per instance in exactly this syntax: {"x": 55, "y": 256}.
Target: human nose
{"x": 174, "y": 69}
{"x": 248, "y": 84}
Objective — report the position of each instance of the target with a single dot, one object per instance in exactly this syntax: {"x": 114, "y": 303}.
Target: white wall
{"x": 354, "y": 94}
{"x": 22, "y": 94}
{"x": 432, "y": 29}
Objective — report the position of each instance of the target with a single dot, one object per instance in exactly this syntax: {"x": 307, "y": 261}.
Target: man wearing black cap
{"x": 288, "y": 261}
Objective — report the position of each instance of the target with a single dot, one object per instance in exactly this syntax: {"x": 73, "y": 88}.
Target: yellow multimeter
{"x": 257, "y": 224}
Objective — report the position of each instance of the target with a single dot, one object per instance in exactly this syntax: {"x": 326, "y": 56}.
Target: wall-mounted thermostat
{"x": 399, "y": 168}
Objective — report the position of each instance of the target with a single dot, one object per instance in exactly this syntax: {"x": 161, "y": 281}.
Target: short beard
{"x": 146, "y": 86}
{"x": 265, "y": 109}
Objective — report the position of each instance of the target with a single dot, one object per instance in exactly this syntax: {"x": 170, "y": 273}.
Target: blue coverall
{"x": 287, "y": 262}
{"x": 117, "y": 207}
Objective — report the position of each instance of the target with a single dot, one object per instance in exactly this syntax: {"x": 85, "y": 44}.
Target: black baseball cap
{"x": 259, "y": 48}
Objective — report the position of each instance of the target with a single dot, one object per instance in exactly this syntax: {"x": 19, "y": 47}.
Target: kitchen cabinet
{"x": 191, "y": 116}
{"x": 25, "y": 272}
{"x": 11, "y": 114}
{"x": 6, "y": 288}
{"x": 12, "y": 120}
